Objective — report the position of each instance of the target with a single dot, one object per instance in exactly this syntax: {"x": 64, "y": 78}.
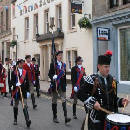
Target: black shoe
{"x": 55, "y": 120}
{"x": 34, "y": 106}
{"x": 67, "y": 120}
{"x": 74, "y": 116}
{"x": 15, "y": 122}
{"x": 28, "y": 123}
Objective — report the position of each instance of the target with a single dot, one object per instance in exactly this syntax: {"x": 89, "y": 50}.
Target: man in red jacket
{"x": 31, "y": 77}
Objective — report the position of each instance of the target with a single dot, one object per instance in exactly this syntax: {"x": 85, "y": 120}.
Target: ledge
{"x": 48, "y": 36}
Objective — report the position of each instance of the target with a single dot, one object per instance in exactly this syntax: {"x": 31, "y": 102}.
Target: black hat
{"x": 33, "y": 59}
{"x": 19, "y": 61}
{"x": 104, "y": 60}
{"x": 6, "y": 59}
{"x": 78, "y": 59}
{"x": 27, "y": 56}
{"x": 59, "y": 52}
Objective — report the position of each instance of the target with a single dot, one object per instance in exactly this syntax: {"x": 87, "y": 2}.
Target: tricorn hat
{"x": 79, "y": 58}
{"x": 33, "y": 59}
{"x": 27, "y": 56}
{"x": 59, "y": 52}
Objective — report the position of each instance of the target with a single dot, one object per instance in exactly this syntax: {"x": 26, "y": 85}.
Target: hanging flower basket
{"x": 85, "y": 23}
{"x": 13, "y": 43}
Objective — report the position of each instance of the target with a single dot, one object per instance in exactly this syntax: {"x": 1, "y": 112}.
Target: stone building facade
{"x": 111, "y": 30}
{"x": 34, "y": 17}
{"x": 5, "y": 28}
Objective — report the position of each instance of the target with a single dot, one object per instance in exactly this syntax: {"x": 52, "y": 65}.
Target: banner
{"x": 76, "y": 6}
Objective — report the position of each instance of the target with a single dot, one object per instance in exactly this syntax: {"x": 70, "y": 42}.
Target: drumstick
{"x": 125, "y": 104}
{"x": 105, "y": 110}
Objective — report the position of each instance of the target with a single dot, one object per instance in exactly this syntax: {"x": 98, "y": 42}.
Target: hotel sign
{"x": 103, "y": 34}
{"x": 76, "y": 6}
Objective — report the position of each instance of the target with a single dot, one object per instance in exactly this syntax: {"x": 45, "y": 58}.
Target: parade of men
{"x": 20, "y": 83}
{"x": 31, "y": 77}
{"x": 57, "y": 74}
{"x": 64, "y": 64}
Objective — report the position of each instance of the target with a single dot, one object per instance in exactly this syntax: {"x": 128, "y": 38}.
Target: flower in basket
{"x": 85, "y": 23}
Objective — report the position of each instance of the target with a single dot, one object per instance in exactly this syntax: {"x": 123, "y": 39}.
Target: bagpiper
{"x": 20, "y": 84}
{"x": 100, "y": 91}
{"x": 57, "y": 74}
{"x": 77, "y": 73}
{"x": 37, "y": 75}
{"x": 31, "y": 77}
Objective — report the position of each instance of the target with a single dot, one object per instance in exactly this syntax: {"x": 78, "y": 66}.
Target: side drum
{"x": 117, "y": 121}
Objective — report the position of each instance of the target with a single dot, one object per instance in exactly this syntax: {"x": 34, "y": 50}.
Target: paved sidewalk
{"x": 45, "y": 85}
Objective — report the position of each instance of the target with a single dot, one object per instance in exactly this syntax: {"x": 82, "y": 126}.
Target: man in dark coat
{"x": 19, "y": 79}
{"x": 57, "y": 74}
{"x": 37, "y": 75}
{"x": 77, "y": 73}
{"x": 99, "y": 91}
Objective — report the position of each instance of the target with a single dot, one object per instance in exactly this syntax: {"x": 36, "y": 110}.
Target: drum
{"x": 117, "y": 122}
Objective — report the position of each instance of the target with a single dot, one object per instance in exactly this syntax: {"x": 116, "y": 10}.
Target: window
{"x": 72, "y": 21}
{"x": 59, "y": 16}
{"x": 125, "y": 54}
{"x": 71, "y": 57}
{"x": 26, "y": 28}
{"x": 47, "y": 21}
{"x": 7, "y": 19}
{"x": 126, "y": 2}
{"x": 114, "y": 3}
{"x": 2, "y": 22}
{"x": 35, "y": 25}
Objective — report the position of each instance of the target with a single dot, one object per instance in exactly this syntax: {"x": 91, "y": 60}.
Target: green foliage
{"x": 84, "y": 23}
{"x": 13, "y": 43}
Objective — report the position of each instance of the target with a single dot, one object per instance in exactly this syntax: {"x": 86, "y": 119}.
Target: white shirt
{"x": 20, "y": 71}
{"x": 79, "y": 66}
{"x": 59, "y": 63}
{"x": 105, "y": 78}
{"x": 28, "y": 64}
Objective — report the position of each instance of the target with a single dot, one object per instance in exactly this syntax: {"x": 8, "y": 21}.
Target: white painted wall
{"x": 80, "y": 39}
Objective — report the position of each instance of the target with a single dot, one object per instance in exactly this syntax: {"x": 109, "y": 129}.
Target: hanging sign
{"x": 103, "y": 34}
{"x": 76, "y": 6}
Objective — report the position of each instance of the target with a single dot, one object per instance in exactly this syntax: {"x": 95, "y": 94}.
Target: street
{"x": 41, "y": 117}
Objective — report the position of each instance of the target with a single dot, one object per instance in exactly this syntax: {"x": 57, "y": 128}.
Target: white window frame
{"x": 35, "y": 25}
{"x": 71, "y": 20}
{"x": 71, "y": 57}
{"x": 46, "y": 23}
{"x": 26, "y": 29}
{"x": 59, "y": 18}
{"x": 119, "y": 61}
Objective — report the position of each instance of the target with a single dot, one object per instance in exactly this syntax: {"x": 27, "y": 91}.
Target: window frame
{"x": 35, "y": 25}
{"x": 59, "y": 16}
{"x": 71, "y": 58}
{"x": 119, "y": 61}
{"x": 27, "y": 29}
{"x": 46, "y": 21}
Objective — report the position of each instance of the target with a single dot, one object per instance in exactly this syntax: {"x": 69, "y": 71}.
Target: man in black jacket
{"x": 99, "y": 91}
{"x": 20, "y": 79}
{"x": 77, "y": 73}
{"x": 57, "y": 74}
